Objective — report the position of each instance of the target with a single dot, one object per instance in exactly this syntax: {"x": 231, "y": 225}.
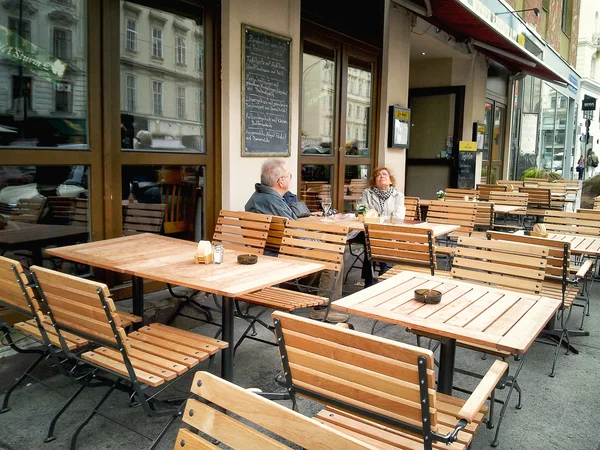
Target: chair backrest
{"x": 510, "y": 265}
{"x": 511, "y": 199}
{"x": 143, "y": 218}
{"x": 276, "y": 229}
{"x": 484, "y": 215}
{"x": 486, "y": 189}
{"x": 179, "y": 201}
{"x": 28, "y": 210}
{"x": 559, "y": 252}
{"x": 589, "y": 211}
{"x": 13, "y": 281}
{"x": 242, "y": 231}
{"x": 597, "y": 202}
{"x": 79, "y": 306}
{"x": 82, "y": 214}
{"x": 315, "y": 241}
{"x": 61, "y": 209}
{"x": 454, "y": 213}
{"x": 245, "y": 407}
{"x": 356, "y": 372}
{"x": 577, "y": 223}
{"x": 400, "y": 245}
{"x": 538, "y": 198}
{"x": 413, "y": 208}
{"x": 459, "y": 194}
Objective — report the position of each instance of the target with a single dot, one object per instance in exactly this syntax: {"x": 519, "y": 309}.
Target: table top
{"x": 580, "y": 245}
{"x": 438, "y": 229}
{"x": 505, "y": 209}
{"x": 171, "y": 260}
{"x": 34, "y": 234}
{"x": 478, "y": 314}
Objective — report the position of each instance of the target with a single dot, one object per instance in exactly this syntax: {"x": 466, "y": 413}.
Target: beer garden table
{"x": 170, "y": 260}
{"x": 472, "y": 313}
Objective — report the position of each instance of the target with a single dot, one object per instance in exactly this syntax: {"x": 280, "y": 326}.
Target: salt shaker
{"x": 218, "y": 257}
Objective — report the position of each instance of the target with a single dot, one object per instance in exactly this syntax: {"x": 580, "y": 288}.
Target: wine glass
{"x": 326, "y": 205}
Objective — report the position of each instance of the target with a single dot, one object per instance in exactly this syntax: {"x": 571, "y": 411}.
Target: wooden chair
{"x": 276, "y": 232}
{"x": 379, "y": 390}
{"x": 573, "y": 223}
{"x": 179, "y": 199}
{"x": 485, "y": 216}
{"x": 508, "y": 183}
{"x": 17, "y": 295}
{"x": 597, "y": 202}
{"x": 519, "y": 199}
{"x": 459, "y": 194}
{"x": 233, "y": 430}
{"x": 28, "y": 210}
{"x": 242, "y": 231}
{"x": 538, "y": 200}
{"x": 558, "y": 283}
{"x": 318, "y": 242}
{"x": 82, "y": 212}
{"x": 413, "y": 208}
{"x": 485, "y": 190}
{"x": 407, "y": 248}
{"x": 456, "y": 213}
{"x": 155, "y": 355}
{"x": 61, "y": 209}
{"x": 309, "y": 194}
{"x": 143, "y": 218}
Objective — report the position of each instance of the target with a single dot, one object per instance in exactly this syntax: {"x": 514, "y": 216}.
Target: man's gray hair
{"x": 272, "y": 170}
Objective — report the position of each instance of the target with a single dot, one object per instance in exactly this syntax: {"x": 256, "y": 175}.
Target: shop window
{"x": 62, "y": 43}
{"x": 566, "y": 16}
{"x": 63, "y": 97}
{"x": 180, "y": 51}
{"x": 157, "y": 43}
{"x": 156, "y": 115}
{"x": 44, "y": 102}
{"x": 131, "y": 38}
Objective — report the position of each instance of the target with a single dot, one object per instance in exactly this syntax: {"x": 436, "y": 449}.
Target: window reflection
{"x": 315, "y": 183}
{"x": 358, "y": 108}
{"x": 43, "y": 66}
{"x": 162, "y": 79}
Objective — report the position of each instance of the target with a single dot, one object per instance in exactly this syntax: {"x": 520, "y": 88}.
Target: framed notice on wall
{"x": 266, "y": 62}
{"x": 529, "y": 131}
{"x": 399, "y": 127}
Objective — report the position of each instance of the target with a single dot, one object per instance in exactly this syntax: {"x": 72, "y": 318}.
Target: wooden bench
{"x": 319, "y": 242}
{"x": 249, "y": 414}
{"x": 377, "y": 390}
{"x": 150, "y": 357}
{"x": 28, "y": 210}
{"x": 486, "y": 189}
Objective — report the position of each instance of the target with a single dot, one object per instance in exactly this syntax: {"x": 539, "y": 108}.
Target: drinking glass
{"x": 326, "y": 205}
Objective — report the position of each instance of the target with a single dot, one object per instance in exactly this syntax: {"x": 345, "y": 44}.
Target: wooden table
{"x": 479, "y": 314}
{"x": 36, "y": 236}
{"x": 506, "y": 209}
{"x": 354, "y": 224}
{"x": 171, "y": 261}
{"x": 580, "y": 245}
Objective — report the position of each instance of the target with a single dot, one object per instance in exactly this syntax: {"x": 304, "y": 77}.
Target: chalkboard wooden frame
{"x": 257, "y": 153}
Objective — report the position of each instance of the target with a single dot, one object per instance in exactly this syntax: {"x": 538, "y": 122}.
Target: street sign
{"x": 588, "y": 103}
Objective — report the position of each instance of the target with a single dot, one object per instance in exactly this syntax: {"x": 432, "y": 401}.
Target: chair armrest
{"x": 584, "y": 269}
{"x": 483, "y": 391}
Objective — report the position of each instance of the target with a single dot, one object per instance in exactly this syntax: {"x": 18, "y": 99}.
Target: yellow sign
{"x": 467, "y": 146}
{"x": 521, "y": 40}
{"x": 481, "y": 129}
{"x": 402, "y": 115}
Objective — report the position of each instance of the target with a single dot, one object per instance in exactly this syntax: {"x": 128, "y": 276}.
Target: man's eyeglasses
{"x": 382, "y": 175}
{"x": 288, "y": 175}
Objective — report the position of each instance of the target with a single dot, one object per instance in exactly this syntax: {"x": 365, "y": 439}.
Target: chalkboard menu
{"x": 265, "y": 93}
{"x": 466, "y": 169}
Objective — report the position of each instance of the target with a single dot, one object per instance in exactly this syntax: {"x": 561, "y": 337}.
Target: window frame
{"x": 69, "y": 97}
{"x": 181, "y": 113}
{"x": 157, "y": 51}
{"x": 155, "y": 93}
{"x": 180, "y": 52}
{"x": 131, "y": 39}
{"x": 130, "y": 93}
{"x": 69, "y": 43}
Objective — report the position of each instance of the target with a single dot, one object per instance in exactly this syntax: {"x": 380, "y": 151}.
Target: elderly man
{"x": 268, "y": 198}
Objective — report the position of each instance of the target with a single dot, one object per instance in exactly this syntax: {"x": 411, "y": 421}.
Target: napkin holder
{"x": 206, "y": 259}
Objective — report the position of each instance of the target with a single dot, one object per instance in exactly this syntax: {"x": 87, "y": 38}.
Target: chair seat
{"x": 283, "y": 299}
{"x": 30, "y": 328}
{"x": 554, "y": 290}
{"x": 127, "y": 318}
{"x": 158, "y": 353}
{"x": 386, "y": 437}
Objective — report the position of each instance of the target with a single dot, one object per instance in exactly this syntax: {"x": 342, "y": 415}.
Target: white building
{"x": 588, "y": 66}
{"x": 162, "y": 54}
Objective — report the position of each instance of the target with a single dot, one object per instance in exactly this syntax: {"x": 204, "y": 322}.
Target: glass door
{"x": 336, "y": 137}
{"x": 493, "y": 151}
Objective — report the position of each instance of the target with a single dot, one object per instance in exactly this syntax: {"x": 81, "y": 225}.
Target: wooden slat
{"x": 118, "y": 367}
{"x": 188, "y": 440}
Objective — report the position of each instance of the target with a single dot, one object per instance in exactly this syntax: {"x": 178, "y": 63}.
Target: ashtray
{"x": 428, "y": 296}
{"x": 247, "y": 259}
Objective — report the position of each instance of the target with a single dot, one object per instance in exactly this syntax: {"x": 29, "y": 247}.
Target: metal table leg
{"x": 446, "y": 374}
{"x": 137, "y": 294}
{"x": 227, "y": 353}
